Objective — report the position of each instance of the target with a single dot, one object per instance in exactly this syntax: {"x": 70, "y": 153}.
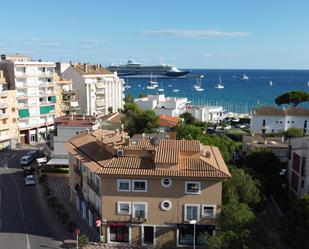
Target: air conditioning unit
{"x": 120, "y": 153}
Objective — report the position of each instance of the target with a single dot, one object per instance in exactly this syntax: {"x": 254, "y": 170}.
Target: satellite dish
{"x": 154, "y": 141}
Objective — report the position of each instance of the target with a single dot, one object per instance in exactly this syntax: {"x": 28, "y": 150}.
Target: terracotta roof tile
{"x": 273, "y": 111}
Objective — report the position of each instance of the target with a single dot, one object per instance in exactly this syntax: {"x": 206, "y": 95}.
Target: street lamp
{"x": 193, "y": 222}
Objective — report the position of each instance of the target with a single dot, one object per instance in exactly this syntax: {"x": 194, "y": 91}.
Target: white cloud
{"x": 195, "y": 33}
{"x": 208, "y": 55}
{"x": 34, "y": 39}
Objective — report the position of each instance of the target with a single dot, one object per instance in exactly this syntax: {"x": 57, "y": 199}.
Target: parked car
{"x": 26, "y": 160}
{"x": 33, "y": 153}
{"x": 29, "y": 180}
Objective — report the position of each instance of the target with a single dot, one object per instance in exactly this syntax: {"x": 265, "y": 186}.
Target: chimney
{"x": 208, "y": 154}
{"x": 85, "y": 67}
{"x": 143, "y": 136}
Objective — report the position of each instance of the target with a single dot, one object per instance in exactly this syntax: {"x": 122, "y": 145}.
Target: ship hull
{"x": 149, "y": 75}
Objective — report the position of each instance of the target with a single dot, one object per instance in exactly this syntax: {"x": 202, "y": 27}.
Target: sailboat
{"x": 219, "y": 85}
{"x": 127, "y": 86}
{"x": 153, "y": 84}
{"x": 270, "y": 83}
{"x": 244, "y": 77}
{"x": 198, "y": 85}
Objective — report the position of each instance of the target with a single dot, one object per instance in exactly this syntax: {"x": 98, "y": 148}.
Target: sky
{"x": 210, "y": 34}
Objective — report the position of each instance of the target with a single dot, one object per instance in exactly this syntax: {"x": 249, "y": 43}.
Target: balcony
{"x": 5, "y": 137}
{"x": 4, "y": 127}
{"x": 100, "y": 92}
{"x": 3, "y": 104}
{"x": 100, "y": 85}
{"x": 4, "y": 115}
{"x": 100, "y": 103}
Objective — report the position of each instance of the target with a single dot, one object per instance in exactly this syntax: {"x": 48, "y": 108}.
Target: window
{"x": 280, "y": 122}
{"x": 166, "y": 205}
{"x": 292, "y": 122}
{"x": 208, "y": 211}
{"x": 264, "y": 122}
{"x": 119, "y": 232}
{"x": 139, "y": 185}
{"x": 139, "y": 210}
{"x": 288, "y": 121}
{"x": 276, "y": 121}
{"x": 166, "y": 182}
{"x": 191, "y": 212}
{"x": 123, "y": 207}
{"x": 124, "y": 185}
{"x": 193, "y": 188}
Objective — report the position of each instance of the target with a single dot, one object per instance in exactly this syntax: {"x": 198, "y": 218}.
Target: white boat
{"x": 198, "y": 85}
{"x": 139, "y": 85}
{"x": 176, "y": 90}
{"x": 161, "y": 89}
{"x": 153, "y": 84}
{"x": 171, "y": 85}
{"x": 244, "y": 77}
{"x": 219, "y": 85}
{"x": 270, "y": 83}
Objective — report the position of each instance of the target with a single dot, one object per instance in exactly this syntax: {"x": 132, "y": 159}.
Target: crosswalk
{"x": 5, "y": 157}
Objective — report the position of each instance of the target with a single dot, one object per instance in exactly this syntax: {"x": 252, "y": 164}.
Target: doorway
{"x": 148, "y": 235}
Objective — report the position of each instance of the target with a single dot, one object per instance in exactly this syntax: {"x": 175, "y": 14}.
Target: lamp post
{"x": 193, "y": 222}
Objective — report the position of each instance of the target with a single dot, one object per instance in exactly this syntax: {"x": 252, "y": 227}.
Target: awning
{"x": 58, "y": 161}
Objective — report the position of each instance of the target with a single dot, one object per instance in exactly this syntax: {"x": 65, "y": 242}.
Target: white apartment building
{"x": 173, "y": 106}
{"x": 298, "y": 167}
{"x": 34, "y": 82}
{"x": 269, "y": 119}
{"x": 100, "y": 91}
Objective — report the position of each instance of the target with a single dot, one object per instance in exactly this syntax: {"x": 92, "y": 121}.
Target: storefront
{"x": 185, "y": 234}
{"x": 118, "y": 232}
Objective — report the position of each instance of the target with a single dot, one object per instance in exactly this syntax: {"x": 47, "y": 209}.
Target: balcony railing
{"x": 4, "y": 115}
{"x": 4, "y": 127}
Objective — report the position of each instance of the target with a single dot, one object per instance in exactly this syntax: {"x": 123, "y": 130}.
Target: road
{"x": 22, "y": 221}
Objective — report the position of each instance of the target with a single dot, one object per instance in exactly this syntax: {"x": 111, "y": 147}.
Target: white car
{"x": 227, "y": 127}
{"x": 29, "y": 180}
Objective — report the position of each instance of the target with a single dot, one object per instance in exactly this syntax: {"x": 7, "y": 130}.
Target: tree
{"x": 128, "y": 99}
{"x": 263, "y": 162}
{"x": 292, "y": 98}
{"x": 243, "y": 187}
{"x": 188, "y": 132}
{"x": 138, "y": 121}
{"x": 295, "y": 224}
{"x": 188, "y": 118}
{"x": 294, "y": 132}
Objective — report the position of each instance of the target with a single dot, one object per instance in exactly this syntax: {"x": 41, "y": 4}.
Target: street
{"x": 22, "y": 221}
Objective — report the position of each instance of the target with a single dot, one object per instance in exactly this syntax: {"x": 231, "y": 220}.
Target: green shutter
{"x": 53, "y": 99}
{"x": 24, "y": 113}
{"x": 46, "y": 109}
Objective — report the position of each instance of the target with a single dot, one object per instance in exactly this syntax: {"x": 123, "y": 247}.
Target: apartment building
{"x": 146, "y": 191}
{"x": 100, "y": 91}
{"x": 34, "y": 82}
{"x": 270, "y": 119}
{"x": 8, "y": 115}
{"x": 298, "y": 167}
{"x": 67, "y": 97}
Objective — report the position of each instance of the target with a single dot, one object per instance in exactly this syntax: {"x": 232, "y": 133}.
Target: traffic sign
{"x": 98, "y": 223}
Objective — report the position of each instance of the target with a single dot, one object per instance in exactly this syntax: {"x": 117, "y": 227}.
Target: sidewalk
{"x": 54, "y": 222}
{"x": 61, "y": 189}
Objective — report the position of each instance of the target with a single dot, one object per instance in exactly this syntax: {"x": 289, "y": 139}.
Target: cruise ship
{"x": 137, "y": 70}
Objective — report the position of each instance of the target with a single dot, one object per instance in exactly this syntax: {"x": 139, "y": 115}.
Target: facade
{"x": 100, "y": 91}
{"x": 67, "y": 97}
{"x": 270, "y": 119}
{"x": 173, "y": 106}
{"x": 68, "y": 126}
{"x": 298, "y": 167}
{"x": 8, "y": 116}
{"x": 146, "y": 191}
{"x": 277, "y": 145}
{"x": 34, "y": 82}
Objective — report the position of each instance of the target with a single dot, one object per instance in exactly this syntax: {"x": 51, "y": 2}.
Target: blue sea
{"x": 238, "y": 95}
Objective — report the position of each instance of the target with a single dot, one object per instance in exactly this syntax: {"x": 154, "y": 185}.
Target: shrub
{"x": 83, "y": 240}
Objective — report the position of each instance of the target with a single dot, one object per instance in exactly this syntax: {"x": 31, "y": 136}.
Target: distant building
{"x": 276, "y": 144}
{"x": 173, "y": 106}
{"x": 146, "y": 191}
{"x": 100, "y": 91}
{"x": 167, "y": 122}
{"x": 298, "y": 167}
{"x": 9, "y": 135}
{"x": 34, "y": 82}
{"x": 67, "y": 127}
{"x": 270, "y": 119}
